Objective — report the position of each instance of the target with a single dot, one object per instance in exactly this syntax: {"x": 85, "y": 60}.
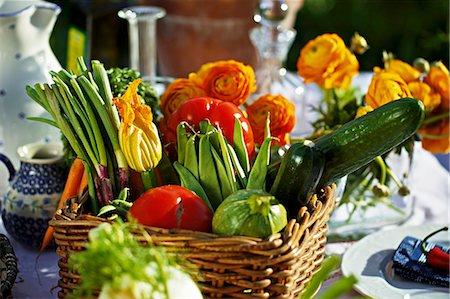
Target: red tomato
{"x": 172, "y": 206}
{"x": 221, "y": 114}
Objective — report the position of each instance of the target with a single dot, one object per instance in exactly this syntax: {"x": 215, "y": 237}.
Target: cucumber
{"x": 300, "y": 171}
{"x": 361, "y": 140}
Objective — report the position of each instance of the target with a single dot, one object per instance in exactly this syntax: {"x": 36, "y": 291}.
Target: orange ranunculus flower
{"x": 436, "y": 137}
{"x": 405, "y": 70}
{"x": 422, "y": 91}
{"x": 386, "y": 87}
{"x": 282, "y": 117}
{"x": 327, "y": 62}
{"x": 438, "y": 77}
{"x": 229, "y": 81}
{"x": 178, "y": 92}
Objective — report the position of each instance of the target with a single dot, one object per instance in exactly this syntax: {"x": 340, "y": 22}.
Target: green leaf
{"x": 44, "y": 120}
{"x": 330, "y": 264}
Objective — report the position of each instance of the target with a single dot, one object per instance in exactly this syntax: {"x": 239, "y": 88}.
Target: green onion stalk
{"x": 81, "y": 107}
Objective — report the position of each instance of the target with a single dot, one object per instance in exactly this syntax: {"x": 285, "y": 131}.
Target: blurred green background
{"x": 408, "y": 28}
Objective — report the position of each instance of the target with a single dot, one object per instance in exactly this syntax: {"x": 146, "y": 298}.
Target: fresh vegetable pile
{"x": 198, "y": 167}
{"x": 118, "y": 266}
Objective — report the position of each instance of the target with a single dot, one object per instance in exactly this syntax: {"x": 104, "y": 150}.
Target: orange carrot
{"x": 83, "y": 182}
{"x": 71, "y": 188}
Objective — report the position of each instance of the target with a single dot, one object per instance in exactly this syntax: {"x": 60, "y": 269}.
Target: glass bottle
{"x": 272, "y": 42}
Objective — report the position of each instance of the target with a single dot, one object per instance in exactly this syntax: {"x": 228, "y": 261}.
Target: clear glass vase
{"x": 272, "y": 42}
{"x": 142, "y": 35}
{"x": 364, "y": 207}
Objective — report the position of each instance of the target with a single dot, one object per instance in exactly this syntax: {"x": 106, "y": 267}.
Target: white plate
{"x": 370, "y": 261}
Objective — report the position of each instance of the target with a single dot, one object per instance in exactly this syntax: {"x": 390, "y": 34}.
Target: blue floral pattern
{"x": 31, "y": 201}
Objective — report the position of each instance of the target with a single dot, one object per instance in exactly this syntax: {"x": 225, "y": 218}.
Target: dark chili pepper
{"x": 436, "y": 257}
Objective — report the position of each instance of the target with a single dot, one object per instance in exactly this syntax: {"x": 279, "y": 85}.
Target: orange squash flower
{"x": 282, "y": 117}
{"x": 386, "y": 87}
{"x": 327, "y": 62}
{"x": 436, "y": 137}
{"x": 422, "y": 91}
{"x": 178, "y": 92}
{"x": 438, "y": 77}
{"x": 405, "y": 70}
{"x": 229, "y": 81}
{"x": 363, "y": 110}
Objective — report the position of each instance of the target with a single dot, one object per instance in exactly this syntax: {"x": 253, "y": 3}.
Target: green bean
{"x": 207, "y": 172}
{"x": 188, "y": 181}
{"x": 257, "y": 177}
{"x": 190, "y": 158}
{"x": 225, "y": 184}
{"x": 182, "y": 138}
{"x": 241, "y": 174}
{"x": 239, "y": 146}
{"x": 227, "y": 160}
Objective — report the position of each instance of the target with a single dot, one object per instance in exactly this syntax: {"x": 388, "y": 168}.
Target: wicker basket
{"x": 8, "y": 267}
{"x": 229, "y": 266}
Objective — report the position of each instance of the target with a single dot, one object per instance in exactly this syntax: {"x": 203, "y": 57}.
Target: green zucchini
{"x": 252, "y": 213}
{"x": 300, "y": 171}
{"x": 361, "y": 140}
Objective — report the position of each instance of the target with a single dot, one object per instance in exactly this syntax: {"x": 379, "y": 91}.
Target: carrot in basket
{"x": 83, "y": 182}
{"x": 73, "y": 184}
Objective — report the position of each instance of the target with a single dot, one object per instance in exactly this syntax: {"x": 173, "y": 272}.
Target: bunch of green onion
{"x": 81, "y": 107}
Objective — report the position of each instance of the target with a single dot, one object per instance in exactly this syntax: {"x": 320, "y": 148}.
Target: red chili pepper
{"x": 221, "y": 114}
{"x": 436, "y": 257}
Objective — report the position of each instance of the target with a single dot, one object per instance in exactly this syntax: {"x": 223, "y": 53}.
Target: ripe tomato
{"x": 172, "y": 206}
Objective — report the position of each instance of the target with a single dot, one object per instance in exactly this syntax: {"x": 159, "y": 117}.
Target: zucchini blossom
{"x": 138, "y": 135}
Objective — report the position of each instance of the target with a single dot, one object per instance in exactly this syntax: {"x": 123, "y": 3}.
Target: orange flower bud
{"x": 386, "y": 87}
{"x": 178, "y": 92}
{"x": 422, "y": 91}
{"x": 405, "y": 70}
{"x": 282, "y": 117}
{"x": 436, "y": 137}
{"x": 327, "y": 62}
{"x": 229, "y": 81}
{"x": 438, "y": 78}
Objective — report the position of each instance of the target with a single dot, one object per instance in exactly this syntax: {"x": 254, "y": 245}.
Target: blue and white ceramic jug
{"x": 34, "y": 191}
{"x": 25, "y": 58}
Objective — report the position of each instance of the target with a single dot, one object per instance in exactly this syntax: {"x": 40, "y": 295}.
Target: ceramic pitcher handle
{"x": 9, "y": 165}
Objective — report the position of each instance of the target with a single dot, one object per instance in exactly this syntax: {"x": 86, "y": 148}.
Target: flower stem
{"x": 394, "y": 177}
{"x": 436, "y": 118}
{"x": 435, "y": 136}
{"x": 383, "y": 169}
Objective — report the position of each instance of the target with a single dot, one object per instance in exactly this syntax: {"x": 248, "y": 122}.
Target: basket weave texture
{"x": 279, "y": 266}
